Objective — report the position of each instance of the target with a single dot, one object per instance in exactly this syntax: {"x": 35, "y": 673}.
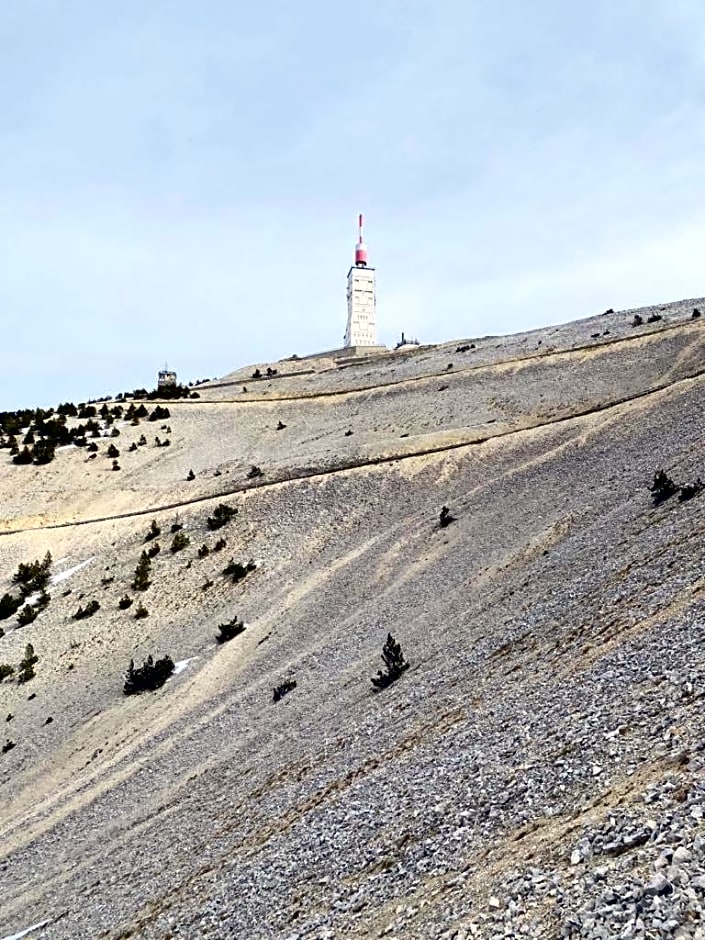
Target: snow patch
{"x": 64, "y": 575}
{"x": 181, "y": 665}
{"x": 23, "y": 933}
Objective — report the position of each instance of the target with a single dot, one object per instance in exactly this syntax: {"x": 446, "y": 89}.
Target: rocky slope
{"x": 538, "y": 770}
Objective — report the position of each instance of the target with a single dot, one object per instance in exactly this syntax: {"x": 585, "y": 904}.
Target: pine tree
{"x": 393, "y": 659}
{"x": 142, "y": 571}
{"x": 27, "y": 664}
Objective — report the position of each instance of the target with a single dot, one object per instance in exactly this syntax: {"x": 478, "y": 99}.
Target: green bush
{"x": 203, "y": 551}
{"x": 149, "y": 677}
{"x": 27, "y": 615}
{"x": 33, "y": 576}
{"x": 125, "y": 602}
{"x": 6, "y": 670}
{"x": 9, "y": 606}
{"x": 229, "y": 630}
{"x": 394, "y": 661}
{"x": 91, "y": 608}
{"x": 222, "y": 514}
{"x": 288, "y": 685}
{"x": 141, "y": 612}
{"x": 237, "y": 571}
{"x": 153, "y": 532}
{"x": 27, "y": 665}
{"x": 142, "y": 572}
{"x": 662, "y": 487}
{"x": 180, "y": 541}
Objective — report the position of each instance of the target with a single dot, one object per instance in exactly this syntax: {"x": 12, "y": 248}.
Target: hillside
{"x": 536, "y": 772}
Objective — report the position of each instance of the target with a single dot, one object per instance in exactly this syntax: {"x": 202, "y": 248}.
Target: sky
{"x": 180, "y": 181}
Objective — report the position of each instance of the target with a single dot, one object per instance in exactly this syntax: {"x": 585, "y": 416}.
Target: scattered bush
{"x": 159, "y": 414}
{"x": 132, "y": 448}
{"x": 191, "y": 476}
{"x": 43, "y": 452}
{"x": 92, "y": 448}
{"x": 142, "y": 572}
{"x": 9, "y": 606}
{"x": 690, "y": 490}
{"x": 637, "y": 321}
{"x": 254, "y": 472}
{"x": 33, "y": 576}
{"x": 220, "y": 545}
{"x": 149, "y": 677}
{"x": 654, "y": 318}
{"x": 142, "y": 442}
{"x": 141, "y": 611}
{"x": 180, "y": 541}
{"x": 280, "y": 426}
{"x": 662, "y": 487}
{"x": 6, "y": 670}
{"x": 288, "y": 685}
{"x": 153, "y": 550}
{"x": 125, "y": 602}
{"x": 91, "y": 608}
{"x": 115, "y": 466}
{"x": 8, "y": 745}
{"x": 230, "y": 630}
{"x": 23, "y": 457}
{"x": 176, "y": 526}
{"x": 112, "y": 451}
{"x": 27, "y": 615}
{"x": 445, "y": 517}
{"x": 203, "y": 551}
{"x": 206, "y": 584}
{"x": 695, "y": 314}
{"x": 238, "y": 571}
{"x": 394, "y": 661}
{"x": 222, "y": 514}
{"x": 27, "y": 665}
{"x": 154, "y": 531}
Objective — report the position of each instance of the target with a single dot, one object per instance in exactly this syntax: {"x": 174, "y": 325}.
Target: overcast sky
{"x": 180, "y": 181}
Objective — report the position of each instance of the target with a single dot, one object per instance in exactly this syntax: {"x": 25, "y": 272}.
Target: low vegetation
{"x": 231, "y": 629}
{"x": 394, "y": 663}
{"x": 237, "y": 571}
{"x": 91, "y": 608}
{"x": 222, "y": 514}
{"x": 149, "y": 677}
{"x": 288, "y": 685}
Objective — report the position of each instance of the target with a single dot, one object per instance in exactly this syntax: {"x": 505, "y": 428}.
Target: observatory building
{"x": 361, "y": 330}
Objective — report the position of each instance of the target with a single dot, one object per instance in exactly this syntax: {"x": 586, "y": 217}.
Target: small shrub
{"x": 638, "y": 320}
{"x": 394, "y": 661}
{"x": 91, "y": 608}
{"x": 115, "y": 466}
{"x": 132, "y": 447}
{"x": 695, "y": 314}
{"x": 222, "y": 514}
{"x": 654, "y": 318}
{"x": 149, "y": 677}
{"x": 445, "y": 517}
{"x": 176, "y": 526}
{"x": 23, "y": 457}
{"x": 8, "y": 745}
{"x": 43, "y": 452}
{"x": 27, "y": 615}
{"x": 153, "y": 532}
{"x": 125, "y": 602}
{"x": 191, "y": 476}
{"x": 142, "y": 572}
{"x": 230, "y": 630}
{"x": 220, "y": 545}
{"x": 280, "y": 426}
{"x": 690, "y": 490}
{"x": 9, "y": 606}
{"x": 206, "y": 584}
{"x": 33, "y": 576}
{"x": 6, "y": 670}
{"x": 159, "y": 414}
{"x": 238, "y": 571}
{"x": 180, "y": 541}
{"x": 142, "y": 442}
{"x": 254, "y": 472}
{"x": 203, "y": 551}
{"x": 662, "y": 487}
{"x": 288, "y": 685}
{"x": 153, "y": 550}
{"x": 141, "y": 611}
{"x": 112, "y": 451}
{"x": 27, "y": 665}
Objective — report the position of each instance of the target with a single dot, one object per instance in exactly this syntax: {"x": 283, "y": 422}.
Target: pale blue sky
{"x": 180, "y": 181}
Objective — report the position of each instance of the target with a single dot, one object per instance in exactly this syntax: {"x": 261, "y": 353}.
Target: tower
{"x": 360, "y": 330}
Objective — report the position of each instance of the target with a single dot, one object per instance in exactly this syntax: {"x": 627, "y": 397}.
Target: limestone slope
{"x": 554, "y": 632}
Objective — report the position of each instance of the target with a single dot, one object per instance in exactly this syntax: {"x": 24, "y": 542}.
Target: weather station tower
{"x": 361, "y": 329}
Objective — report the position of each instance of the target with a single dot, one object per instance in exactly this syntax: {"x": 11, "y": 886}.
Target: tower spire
{"x": 361, "y": 247}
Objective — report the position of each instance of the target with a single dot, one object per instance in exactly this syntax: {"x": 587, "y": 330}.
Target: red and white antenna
{"x": 361, "y": 247}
